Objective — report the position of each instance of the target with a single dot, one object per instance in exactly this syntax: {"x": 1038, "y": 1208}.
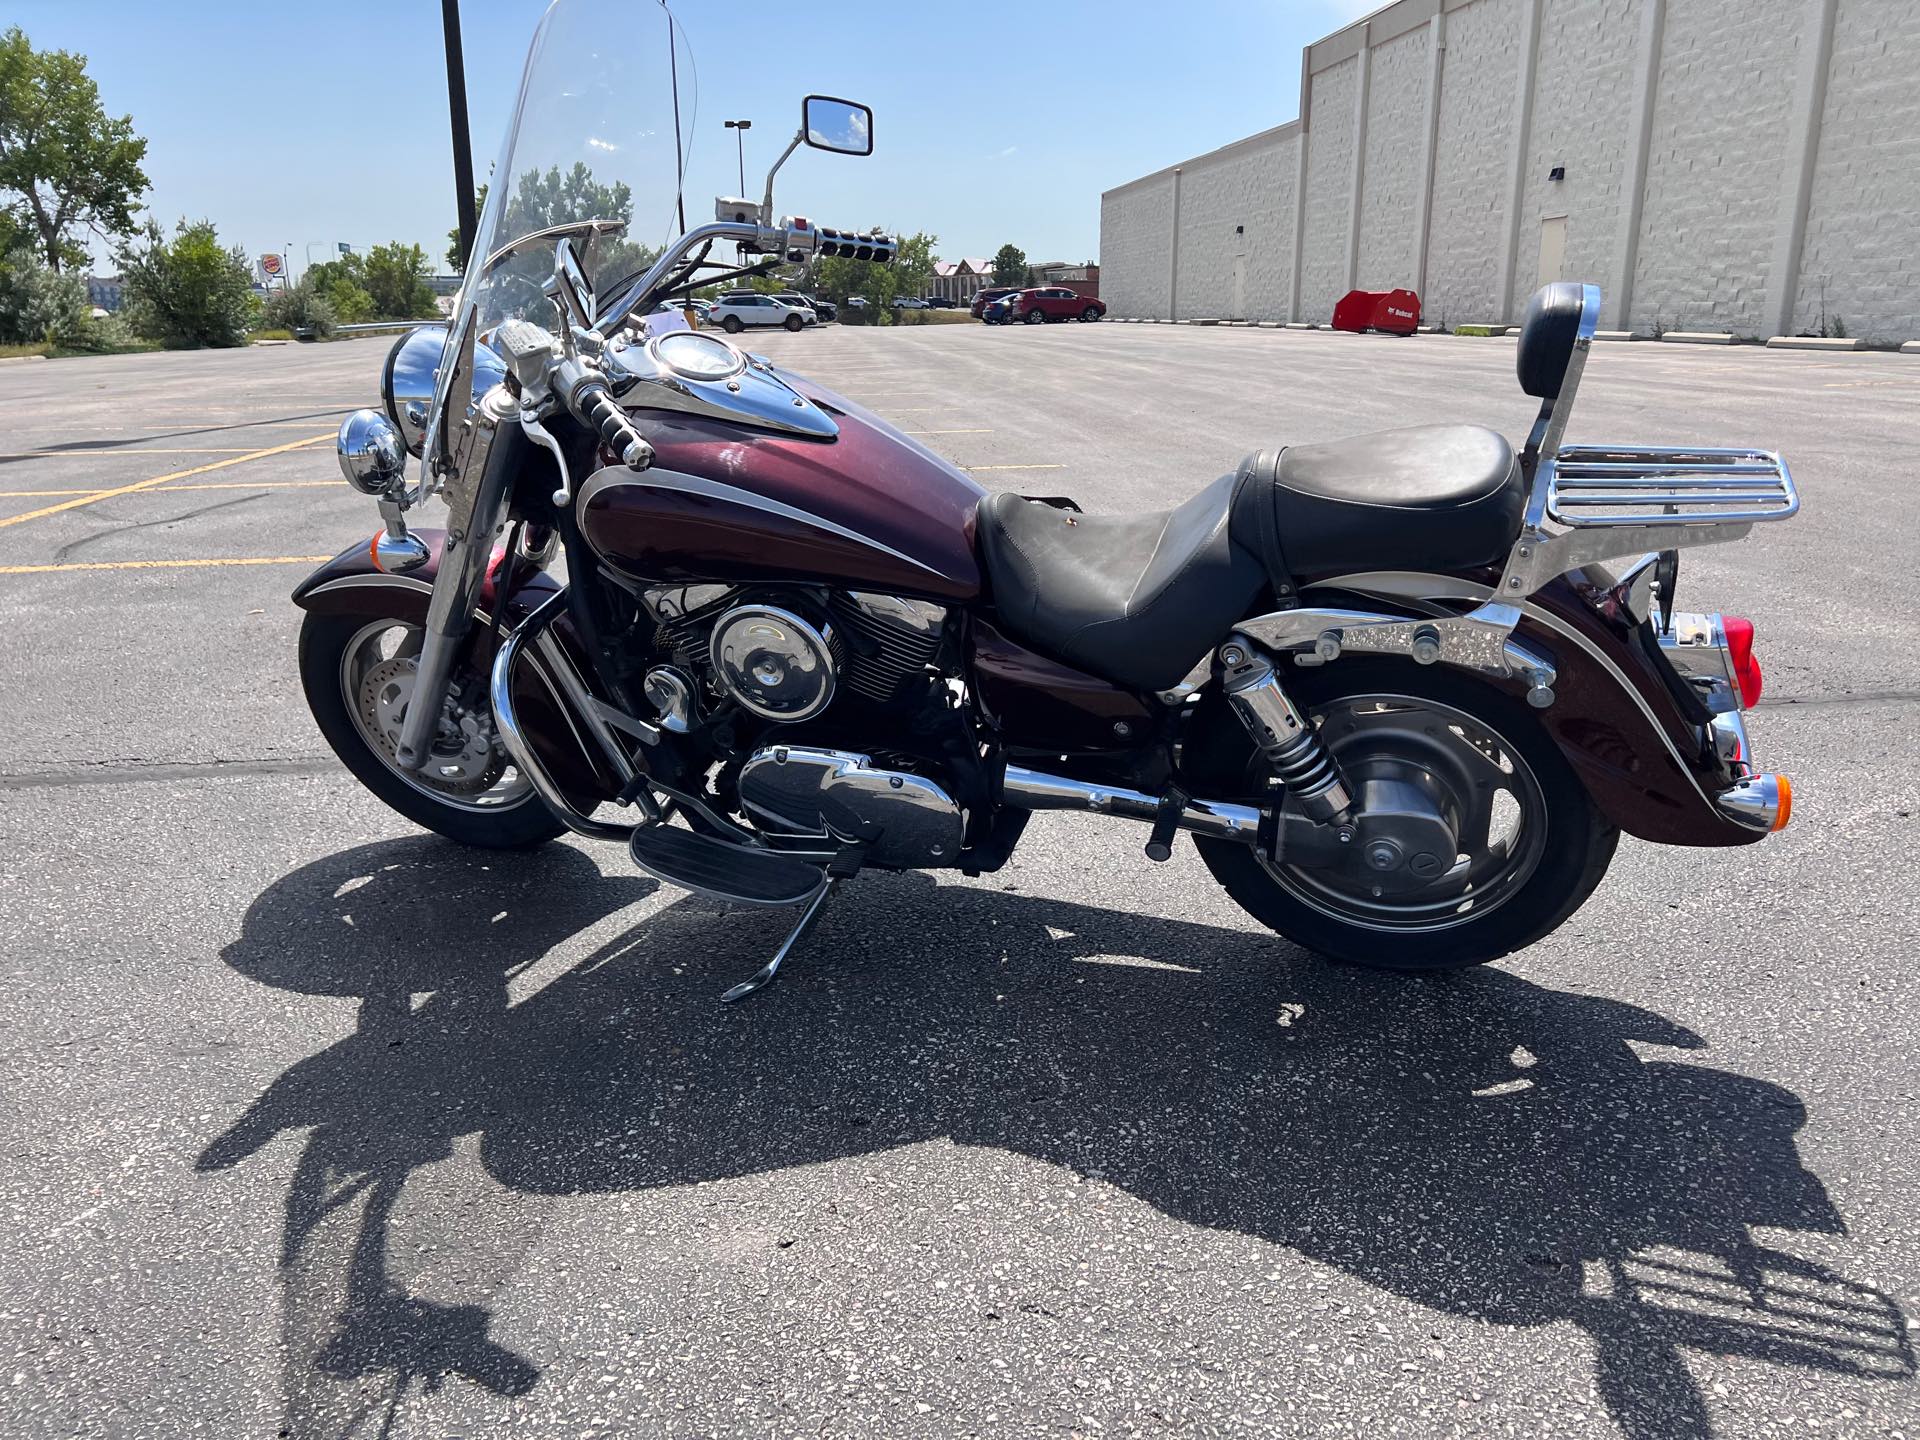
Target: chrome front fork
{"x": 471, "y": 529}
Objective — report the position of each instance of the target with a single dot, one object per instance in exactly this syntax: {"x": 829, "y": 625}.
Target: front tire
{"x": 794, "y": 323}
{"x": 1090, "y": 314}
{"x": 1556, "y": 855}
{"x": 344, "y": 662}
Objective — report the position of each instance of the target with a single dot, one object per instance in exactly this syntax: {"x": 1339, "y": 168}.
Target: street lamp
{"x": 740, "y": 127}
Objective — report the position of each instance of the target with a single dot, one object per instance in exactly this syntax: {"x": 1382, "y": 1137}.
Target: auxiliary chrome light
{"x": 371, "y": 455}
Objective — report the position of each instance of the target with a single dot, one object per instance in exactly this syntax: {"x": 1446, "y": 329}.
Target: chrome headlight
{"x": 407, "y": 380}
{"x": 371, "y": 455}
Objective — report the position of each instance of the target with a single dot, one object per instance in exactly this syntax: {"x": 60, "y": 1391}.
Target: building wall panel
{"x": 1396, "y": 112}
{"x": 1249, "y": 187}
{"x": 1330, "y": 155}
{"x": 1478, "y": 110}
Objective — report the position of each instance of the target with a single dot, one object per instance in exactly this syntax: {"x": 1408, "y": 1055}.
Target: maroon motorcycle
{"x": 1404, "y": 690}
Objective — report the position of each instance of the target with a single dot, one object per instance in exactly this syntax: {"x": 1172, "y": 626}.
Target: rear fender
{"x": 1649, "y": 769}
{"x": 353, "y": 584}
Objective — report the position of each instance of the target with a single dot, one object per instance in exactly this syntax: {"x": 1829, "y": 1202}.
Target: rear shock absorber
{"x": 1286, "y": 738}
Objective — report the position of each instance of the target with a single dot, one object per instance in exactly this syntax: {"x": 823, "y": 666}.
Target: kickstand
{"x": 765, "y": 975}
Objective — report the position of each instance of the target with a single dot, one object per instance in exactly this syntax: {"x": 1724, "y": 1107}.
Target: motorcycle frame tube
{"x": 1648, "y": 769}
{"x": 352, "y": 584}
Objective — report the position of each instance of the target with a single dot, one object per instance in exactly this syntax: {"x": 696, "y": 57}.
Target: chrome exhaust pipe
{"x": 1036, "y": 790}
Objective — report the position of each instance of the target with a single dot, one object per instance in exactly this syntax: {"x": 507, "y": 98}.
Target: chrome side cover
{"x": 905, "y": 820}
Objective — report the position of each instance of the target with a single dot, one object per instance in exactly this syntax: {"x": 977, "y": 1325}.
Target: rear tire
{"x": 517, "y": 824}
{"x": 731, "y": 324}
{"x": 1578, "y": 843}
{"x": 1036, "y": 316}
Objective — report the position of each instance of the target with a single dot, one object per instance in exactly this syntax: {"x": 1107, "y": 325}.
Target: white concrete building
{"x": 1750, "y": 166}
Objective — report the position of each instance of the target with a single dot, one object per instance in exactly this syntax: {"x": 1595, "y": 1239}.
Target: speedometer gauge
{"x": 697, "y": 356}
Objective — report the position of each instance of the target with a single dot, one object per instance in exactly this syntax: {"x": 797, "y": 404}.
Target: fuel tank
{"x": 732, "y": 503}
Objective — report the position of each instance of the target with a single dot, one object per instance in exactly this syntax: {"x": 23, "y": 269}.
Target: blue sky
{"x": 320, "y": 122}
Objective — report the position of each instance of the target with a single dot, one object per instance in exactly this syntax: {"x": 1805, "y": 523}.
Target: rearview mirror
{"x": 837, "y": 125}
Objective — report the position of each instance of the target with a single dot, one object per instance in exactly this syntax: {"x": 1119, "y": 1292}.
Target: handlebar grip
{"x": 596, "y": 407}
{"x": 845, "y": 245}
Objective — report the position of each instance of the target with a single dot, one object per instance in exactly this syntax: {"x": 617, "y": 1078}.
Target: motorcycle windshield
{"x": 605, "y": 98}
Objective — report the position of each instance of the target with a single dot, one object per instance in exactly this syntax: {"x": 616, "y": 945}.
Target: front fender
{"x": 353, "y": 584}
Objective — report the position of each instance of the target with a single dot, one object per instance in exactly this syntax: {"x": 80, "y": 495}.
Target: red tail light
{"x": 1746, "y": 669}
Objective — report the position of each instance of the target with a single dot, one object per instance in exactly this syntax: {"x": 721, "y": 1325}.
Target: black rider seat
{"x": 1139, "y": 599}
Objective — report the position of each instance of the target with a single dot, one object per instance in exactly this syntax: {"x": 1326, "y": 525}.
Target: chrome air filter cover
{"x": 773, "y": 662}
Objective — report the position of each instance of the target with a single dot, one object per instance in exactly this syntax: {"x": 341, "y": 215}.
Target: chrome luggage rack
{"x": 1595, "y": 502}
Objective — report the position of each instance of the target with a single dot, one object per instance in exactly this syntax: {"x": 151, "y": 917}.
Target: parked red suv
{"x": 1056, "y": 302}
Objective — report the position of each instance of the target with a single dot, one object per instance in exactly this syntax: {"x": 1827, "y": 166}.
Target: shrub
{"x": 300, "y": 308}
{"x": 351, "y": 304}
{"x": 105, "y": 335}
{"x": 189, "y": 293}
{"x": 38, "y": 304}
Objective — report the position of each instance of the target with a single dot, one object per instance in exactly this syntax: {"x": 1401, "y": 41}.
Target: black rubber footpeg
{"x": 720, "y": 868}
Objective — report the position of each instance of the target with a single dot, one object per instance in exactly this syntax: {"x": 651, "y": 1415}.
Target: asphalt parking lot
{"x": 316, "y": 1126}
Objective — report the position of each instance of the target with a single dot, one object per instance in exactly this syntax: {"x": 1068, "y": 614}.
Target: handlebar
{"x": 795, "y": 238}
{"x": 597, "y": 409}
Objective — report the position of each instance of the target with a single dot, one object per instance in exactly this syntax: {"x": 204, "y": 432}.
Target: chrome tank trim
{"x": 643, "y": 378}
{"x": 1035, "y": 790}
{"x": 680, "y": 480}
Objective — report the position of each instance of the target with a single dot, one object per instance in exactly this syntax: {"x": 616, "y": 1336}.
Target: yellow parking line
{"x": 97, "y": 452}
{"x": 100, "y": 495}
{"x": 163, "y": 564}
{"x": 976, "y": 469}
{"x": 175, "y": 490}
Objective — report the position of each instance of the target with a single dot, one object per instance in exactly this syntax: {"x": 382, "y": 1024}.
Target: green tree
{"x": 1010, "y": 266}
{"x": 395, "y": 276}
{"x": 189, "y": 292}
{"x": 388, "y": 282}
{"x": 68, "y": 161}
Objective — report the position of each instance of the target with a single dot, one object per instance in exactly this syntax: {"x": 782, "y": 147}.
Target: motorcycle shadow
{"x": 1479, "y": 1144}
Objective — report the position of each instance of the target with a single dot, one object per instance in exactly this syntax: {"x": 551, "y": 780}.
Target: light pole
{"x": 740, "y": 128}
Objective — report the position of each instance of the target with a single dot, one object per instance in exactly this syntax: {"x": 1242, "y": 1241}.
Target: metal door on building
{"x": 1553, "y": 248}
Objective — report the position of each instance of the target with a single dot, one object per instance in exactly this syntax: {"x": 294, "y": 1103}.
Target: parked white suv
{"x": 735, "y": 313}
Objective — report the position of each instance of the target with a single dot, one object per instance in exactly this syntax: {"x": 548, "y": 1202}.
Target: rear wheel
{"x": 1036, "y": 316}
{"x": 731, "y": 324}
{"x": 1466, "y": 765}
{"x": 358, "y": 676}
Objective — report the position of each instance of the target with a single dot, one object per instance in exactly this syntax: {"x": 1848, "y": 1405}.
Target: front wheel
{"x": 793, "y": 323}
{"x": 1090, "y": 314}
{"x": 358, "y": 675}
{"x": 1483, "y": 839}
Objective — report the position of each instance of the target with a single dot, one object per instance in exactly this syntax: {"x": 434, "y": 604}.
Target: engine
{"x": 783, "y": 655}
{"x": 877, "y": 769}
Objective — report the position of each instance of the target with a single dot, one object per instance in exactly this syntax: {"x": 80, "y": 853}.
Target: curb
{"x": 21, "y": 359}
{"x": 1811, "y": 342}
{"x": 1912, "y": 347}
{"x": 1615, "y": 335}
{"x": 1480, "y": 330}
{"x": 1697, "y": 337}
